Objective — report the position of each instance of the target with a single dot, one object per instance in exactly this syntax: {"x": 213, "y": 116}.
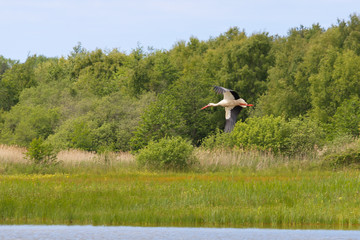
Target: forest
{"x": 305, "y": 88}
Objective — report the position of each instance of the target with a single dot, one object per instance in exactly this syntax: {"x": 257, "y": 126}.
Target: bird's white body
{"x": 231, "y": 103}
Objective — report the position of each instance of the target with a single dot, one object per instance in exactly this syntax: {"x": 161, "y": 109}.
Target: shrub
{"x": 173, "y": 153}
{"x": 302, "y": 135}
{"x": 270, "y": 133}
{"x": 349, "y": 157}
{"x": 75, "y": 133}
{"x": 40, "y": 152}
{"x": 217, "y": 139}
{"x": 263, "y": 133}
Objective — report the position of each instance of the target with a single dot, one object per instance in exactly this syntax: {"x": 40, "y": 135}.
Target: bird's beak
{"x": 205, "y": 107}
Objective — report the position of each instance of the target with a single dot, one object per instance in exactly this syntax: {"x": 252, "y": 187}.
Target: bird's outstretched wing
{"x": 228, "y": 93}
{"x": 230, "y": 122}
{"x": 221, "y": 90}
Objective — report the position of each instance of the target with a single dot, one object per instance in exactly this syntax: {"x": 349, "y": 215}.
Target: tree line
{"x": 302, "y": 83}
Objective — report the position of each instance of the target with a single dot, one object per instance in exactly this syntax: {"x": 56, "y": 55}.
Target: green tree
{"x": 117, "y": 117}
{"x": 245, "y": 66}
{"x": 190, "y": 93}
{"x": 97, "y": 71}
{"x": 24, "y": 123}
{"x": 13, "y": 81}
{"x": 163, "y": 73}
{"x": 346, "y": 119}
{"x": 336, "y": 81}
{"x": 6, "y": 64}
{"x": 288, "y": 86}
{"x": 350, "y": 33}
{"x": 140, "y": 72}
{"x": 160, "y": 119}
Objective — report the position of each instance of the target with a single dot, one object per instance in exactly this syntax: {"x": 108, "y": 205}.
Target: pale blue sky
{"x": 53, "y": 27}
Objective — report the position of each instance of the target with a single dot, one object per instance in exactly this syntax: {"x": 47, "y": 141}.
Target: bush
{"x": 173, "y": 153}
{"x": 217, "y": 139}
{"x": 75, "y": 133}
{"x": 270, "y": 133}
{"x": 263, "y": 133}
{"x": 302, "y": 135}
{"x": 349, "y": 157}
{"x": 40, "y": 152}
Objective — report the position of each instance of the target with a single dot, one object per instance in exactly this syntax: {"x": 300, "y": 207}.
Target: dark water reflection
{"x": 24, "y": 232}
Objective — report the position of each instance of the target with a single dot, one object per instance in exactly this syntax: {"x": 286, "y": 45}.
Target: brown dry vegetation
{"x": 73, "y": 157}
{"x": 214, "y": 159}
{"x": 208, "y": 160}
{"x": 13, "y": 154}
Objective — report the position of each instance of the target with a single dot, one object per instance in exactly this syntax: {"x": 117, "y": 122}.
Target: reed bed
{"x": 208, "y": 160}
{"x": 75, "y": 157}
{"x": 222, "y": 159}
{"x": 13, "y": 161}
{"x": 12, "y": 154}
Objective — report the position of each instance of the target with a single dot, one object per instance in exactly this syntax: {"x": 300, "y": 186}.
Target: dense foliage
{"x": 168, "y": 153}
{"x": 270, "y": 133}
{"x": 41, "y": 153}
{"x": 305, "y": 87}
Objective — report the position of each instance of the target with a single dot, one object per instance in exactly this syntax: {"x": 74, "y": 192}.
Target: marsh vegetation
{"x": 225, "y": 189}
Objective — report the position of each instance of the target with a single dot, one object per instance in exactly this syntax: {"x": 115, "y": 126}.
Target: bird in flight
{"x": 233, "y": 105}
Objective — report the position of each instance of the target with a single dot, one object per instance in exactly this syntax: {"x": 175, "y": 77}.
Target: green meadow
{"x": 286, "y": 199}
{"x": 231, "y": 188}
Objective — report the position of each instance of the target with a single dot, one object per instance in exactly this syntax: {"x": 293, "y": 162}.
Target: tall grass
{"x": 12, "y": 161}
{"x": 12, "y": 154}
{"x": 69, "y": 157}
{"x": 232, "y": 159}
{"x": 226, "y": 189}
{"x": 302, "y": 200}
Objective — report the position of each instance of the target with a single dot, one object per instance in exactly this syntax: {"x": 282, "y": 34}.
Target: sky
{"x": 53, "y": 27}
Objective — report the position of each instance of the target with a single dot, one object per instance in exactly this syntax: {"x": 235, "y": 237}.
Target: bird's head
{"x": 209, "y": 105}
{"x": 245, "y": 105}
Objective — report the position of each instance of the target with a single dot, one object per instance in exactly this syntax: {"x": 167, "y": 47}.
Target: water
{"x": 26, "y": 232}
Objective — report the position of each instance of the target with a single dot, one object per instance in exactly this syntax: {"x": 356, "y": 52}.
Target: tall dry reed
{"x": 253, "y": 159}
{"x": 75, "y": 157}
{"x": 72, "y": 157}
{"x": 12, "y": 154}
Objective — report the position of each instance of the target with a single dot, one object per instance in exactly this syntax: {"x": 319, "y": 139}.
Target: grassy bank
{"x": 230, "y": 199}
{"x": 226, "y": 189}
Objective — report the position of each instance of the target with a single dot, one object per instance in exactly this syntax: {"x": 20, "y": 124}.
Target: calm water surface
{"x": 169, "y": 233}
